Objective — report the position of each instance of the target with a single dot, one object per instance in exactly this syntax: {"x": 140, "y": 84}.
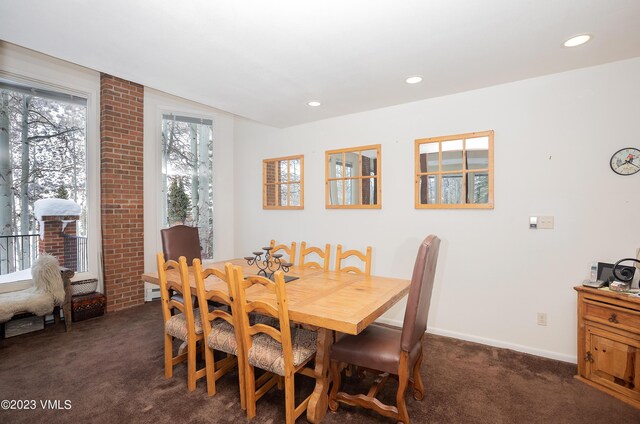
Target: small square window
{"x": 283, "y": 186}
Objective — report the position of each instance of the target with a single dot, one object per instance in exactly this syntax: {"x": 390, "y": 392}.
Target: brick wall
{"x": 121, "y": 184}
{"x": 53, "y": 241}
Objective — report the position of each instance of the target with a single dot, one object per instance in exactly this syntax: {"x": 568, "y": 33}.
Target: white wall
{"x": 155, "y": 104}
{"x": 554, "y": 137}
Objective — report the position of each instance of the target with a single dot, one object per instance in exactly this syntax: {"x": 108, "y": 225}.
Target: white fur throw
{"x": 48, "y": 291}
{"x": 47, "y": 278}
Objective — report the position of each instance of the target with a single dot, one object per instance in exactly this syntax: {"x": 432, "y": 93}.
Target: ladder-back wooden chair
{"x": 184, "y": 325}
{"x": 289, "y": 250}
{"x": 282, "y": 352}
{"x": 220, "y": 327}
{"x": 366, "y": 258}
{"x": 324, "y": 255}
{"x": 391, "y": 351}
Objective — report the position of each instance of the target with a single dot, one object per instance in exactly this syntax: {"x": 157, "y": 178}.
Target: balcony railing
{"x": 17, "y": 252}
{"x": 75, "y": 252}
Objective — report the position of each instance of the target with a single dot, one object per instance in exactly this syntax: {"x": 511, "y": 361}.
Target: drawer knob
{"x": 613, "y": 318}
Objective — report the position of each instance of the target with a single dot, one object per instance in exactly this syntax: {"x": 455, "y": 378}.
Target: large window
{"x": 187, "y": 173}
{"x": 455, "y": 171}
{"x": 43, "y": 154}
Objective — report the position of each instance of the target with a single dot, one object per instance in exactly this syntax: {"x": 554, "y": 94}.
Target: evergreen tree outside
{"x": 178, "y": 200}
{"x": 62, "y": 192}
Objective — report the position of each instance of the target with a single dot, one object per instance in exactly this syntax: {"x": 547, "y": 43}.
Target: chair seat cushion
{"x": 266, "y": 353}
{"x": 223, "y": 337}
{"x": 176, "y": 326}
{"x": 376, "y": 347}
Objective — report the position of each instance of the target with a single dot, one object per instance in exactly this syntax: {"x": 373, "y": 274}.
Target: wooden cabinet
{"x": 609, "y": 342}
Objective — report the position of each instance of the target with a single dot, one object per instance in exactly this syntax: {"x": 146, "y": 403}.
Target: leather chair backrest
{"x": 181, "y": 240}
{"x": 417, "y": 312}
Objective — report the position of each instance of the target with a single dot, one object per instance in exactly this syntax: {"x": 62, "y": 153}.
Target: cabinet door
{"x": 614, "y": 361}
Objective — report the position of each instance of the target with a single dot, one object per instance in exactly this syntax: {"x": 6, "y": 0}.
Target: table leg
{"x": 317, "y": 408}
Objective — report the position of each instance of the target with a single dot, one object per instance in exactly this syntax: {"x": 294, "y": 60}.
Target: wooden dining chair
{"x": 281, "y": 351}
{"x": 184, "y": 325}
{"x": 366, "y": 258}
{"x": 289, "y": 250}
{"x": 221, "y": 330}
{"x": 324, "y": 255}
{"x": 391, "y": 351}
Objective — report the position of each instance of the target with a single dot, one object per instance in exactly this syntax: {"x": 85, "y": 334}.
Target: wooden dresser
{"x": 609, "y": 342}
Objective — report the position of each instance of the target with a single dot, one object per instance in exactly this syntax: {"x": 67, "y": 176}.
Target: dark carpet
{"x": 110, "y": 369}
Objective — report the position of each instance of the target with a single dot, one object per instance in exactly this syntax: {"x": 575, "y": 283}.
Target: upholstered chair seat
{"x": 223, "y": 337}
{"x": 266, "y": 353}
{"x": 176, "y": 326}
{"x": 376, "y": 347}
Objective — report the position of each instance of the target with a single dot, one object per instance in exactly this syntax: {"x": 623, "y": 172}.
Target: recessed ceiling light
{"x": 577, "y": 40}
{"x": 413, "y": 80}
{"x": 314, "y": 104}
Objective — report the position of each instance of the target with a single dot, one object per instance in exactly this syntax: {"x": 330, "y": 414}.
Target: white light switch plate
{"x": 545, "y": 222}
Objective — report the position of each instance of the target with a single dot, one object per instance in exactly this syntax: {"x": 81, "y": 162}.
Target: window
{"x": 455, "y": 171}
{"x": 187, "y": 173}
{"x": 283, "y": 186}
{"x": 43, "y": 154}
{"x": 353, "y": 178}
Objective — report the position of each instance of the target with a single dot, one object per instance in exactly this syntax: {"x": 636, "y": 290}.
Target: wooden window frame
{"x": 288, "y": 183}
{"x": 418, "y": 173}
{"x": 378, "y": 177}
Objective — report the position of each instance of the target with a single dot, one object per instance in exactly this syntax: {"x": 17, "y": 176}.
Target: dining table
{"x": 329, "y": 301}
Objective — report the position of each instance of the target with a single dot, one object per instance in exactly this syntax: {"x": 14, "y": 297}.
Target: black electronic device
{"x": 606, "y": 272}
{"x": 624, "y": 273}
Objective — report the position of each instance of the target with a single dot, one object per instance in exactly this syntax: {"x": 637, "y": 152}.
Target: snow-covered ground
{"x": 16, "y": 281}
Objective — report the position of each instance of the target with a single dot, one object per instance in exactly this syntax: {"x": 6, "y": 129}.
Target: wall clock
{"x": 626, "y": 161}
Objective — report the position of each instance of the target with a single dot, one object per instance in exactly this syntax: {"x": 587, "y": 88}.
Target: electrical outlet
{"x": 542, "y": 318}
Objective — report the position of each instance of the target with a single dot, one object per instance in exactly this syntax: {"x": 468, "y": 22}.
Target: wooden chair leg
{"x": 403, "y": 382}
{"x": 168, "y": 356}
{"x": 337, "y": 381}
{"x": 210, "y": 365}
{"x": 250, "y": 383}
{"x": 243, "y": 382}
{"x": 191, "y": 366}
{"x": 290, "y": 399}
{"x": 418, "y": 386}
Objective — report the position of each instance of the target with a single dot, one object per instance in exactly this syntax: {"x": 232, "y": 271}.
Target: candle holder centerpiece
{"x": 268, "y": 263}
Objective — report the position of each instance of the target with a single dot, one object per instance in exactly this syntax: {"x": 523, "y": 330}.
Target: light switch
{"x": 541, "y": 222}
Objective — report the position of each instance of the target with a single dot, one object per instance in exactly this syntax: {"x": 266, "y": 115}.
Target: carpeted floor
{"x": 110, "y": 369}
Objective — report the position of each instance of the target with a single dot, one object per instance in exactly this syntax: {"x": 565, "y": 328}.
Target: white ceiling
{"x": 265, "y": 60}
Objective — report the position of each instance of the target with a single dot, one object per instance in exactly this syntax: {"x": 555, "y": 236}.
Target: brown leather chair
{"x": 177, "y": 241}
{"x": 181, "y": 240}
{"x": 389, "y": 350}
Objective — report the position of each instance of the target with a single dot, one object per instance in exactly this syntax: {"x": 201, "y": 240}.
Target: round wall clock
{"x": 626, "y": 161}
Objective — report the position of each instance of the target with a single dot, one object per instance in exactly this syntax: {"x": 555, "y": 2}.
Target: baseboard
{"x": 491, "y": 342}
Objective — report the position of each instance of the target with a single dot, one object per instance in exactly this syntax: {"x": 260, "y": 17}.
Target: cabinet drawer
{"x": 612, "y": 315}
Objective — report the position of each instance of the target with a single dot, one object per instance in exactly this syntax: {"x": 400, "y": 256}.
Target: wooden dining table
{"x": 329, "y": 300}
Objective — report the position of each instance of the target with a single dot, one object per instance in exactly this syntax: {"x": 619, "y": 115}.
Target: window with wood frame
{"x": 454, "y": 172}
{"x": 283, "y": 183}
{"x": 353, "y": 178}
